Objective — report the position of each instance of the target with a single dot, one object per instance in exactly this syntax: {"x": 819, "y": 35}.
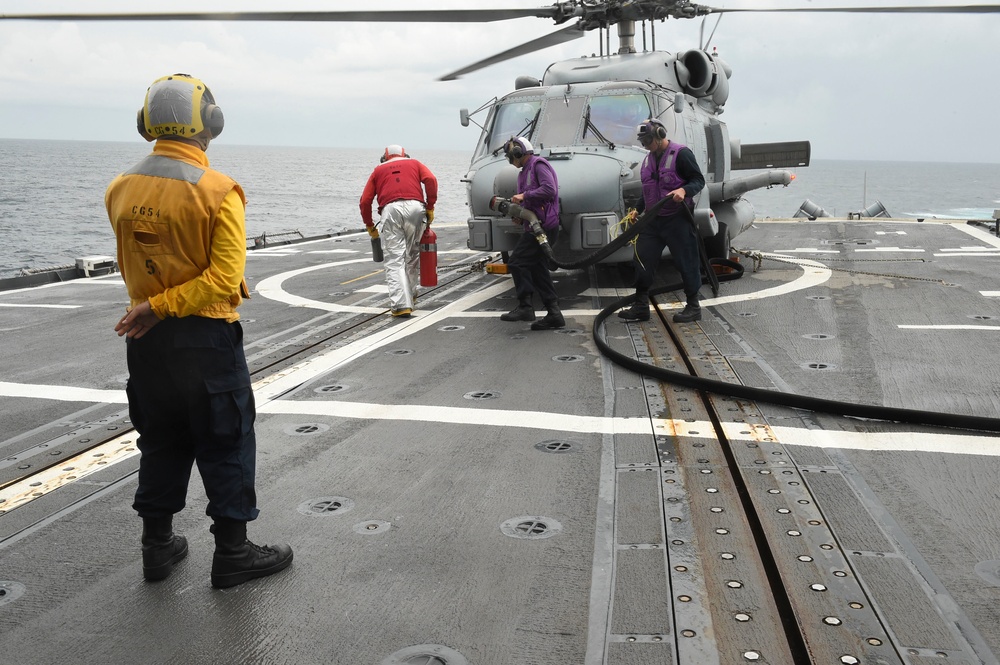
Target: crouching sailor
{"x": 182, "y": 250}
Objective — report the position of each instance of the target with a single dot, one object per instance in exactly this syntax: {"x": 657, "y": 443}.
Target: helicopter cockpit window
{"x": 615, "y": 118}
{"x": 560, "y": 121}
{"x": 515, "y": 118}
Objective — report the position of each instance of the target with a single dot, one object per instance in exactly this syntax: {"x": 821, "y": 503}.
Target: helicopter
{"x": 582, "y": 117}
{"x": 582, "y": 113}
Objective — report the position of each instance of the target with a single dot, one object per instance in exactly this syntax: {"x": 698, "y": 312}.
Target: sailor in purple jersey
{"x": 538, "y": 191}
{"x": 669, "y": 170}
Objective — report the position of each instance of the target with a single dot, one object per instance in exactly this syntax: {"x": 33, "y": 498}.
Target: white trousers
{"x": 401, "y": 226}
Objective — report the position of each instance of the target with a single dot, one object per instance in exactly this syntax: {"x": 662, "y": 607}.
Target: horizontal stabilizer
{"x": 772, "y": 155}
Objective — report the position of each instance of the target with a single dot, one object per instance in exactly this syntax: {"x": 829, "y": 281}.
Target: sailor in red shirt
{"x": 400, "y": 184}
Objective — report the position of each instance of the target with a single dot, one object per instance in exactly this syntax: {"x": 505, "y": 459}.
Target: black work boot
{"x": 639, "y": 311}
{"x": 523, "y": 312}
{"x": 554, "y": 318}
{"x": 161, "y": 548}
{"x": 237, "y": 560}
{"x": 689, "y": 314}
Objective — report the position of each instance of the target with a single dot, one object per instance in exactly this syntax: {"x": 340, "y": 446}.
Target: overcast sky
{"x": 876, "y": 87}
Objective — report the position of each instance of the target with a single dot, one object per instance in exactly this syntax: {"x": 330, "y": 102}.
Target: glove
{"x": 430, "y": 216}
{"x": 372, "y": 231}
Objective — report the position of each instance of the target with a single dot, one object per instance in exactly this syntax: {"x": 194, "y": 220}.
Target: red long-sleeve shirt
{"x": 398, "y": 179}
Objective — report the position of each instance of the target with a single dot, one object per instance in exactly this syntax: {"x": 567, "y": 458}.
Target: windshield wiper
{"x": 588, "y": 124}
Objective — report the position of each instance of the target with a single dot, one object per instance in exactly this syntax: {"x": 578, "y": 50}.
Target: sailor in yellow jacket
{"x": 180, "y": 229}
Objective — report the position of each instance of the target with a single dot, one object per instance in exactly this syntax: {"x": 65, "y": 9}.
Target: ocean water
{"x": 52, "y": 192}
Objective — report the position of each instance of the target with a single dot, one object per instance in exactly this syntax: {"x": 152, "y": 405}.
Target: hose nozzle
{"x": 509, "y": 209}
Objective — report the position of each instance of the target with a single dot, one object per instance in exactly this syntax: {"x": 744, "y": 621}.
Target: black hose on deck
{"x": 910, "y": 416}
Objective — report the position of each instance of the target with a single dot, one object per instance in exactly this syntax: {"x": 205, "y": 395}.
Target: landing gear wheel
{"x": 718, "y": 246}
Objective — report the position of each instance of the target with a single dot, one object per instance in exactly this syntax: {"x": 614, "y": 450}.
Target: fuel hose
{"x": 817, "y": 404}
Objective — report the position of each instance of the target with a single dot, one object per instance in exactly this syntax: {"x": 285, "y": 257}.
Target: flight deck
{"x": 463, "y": 491}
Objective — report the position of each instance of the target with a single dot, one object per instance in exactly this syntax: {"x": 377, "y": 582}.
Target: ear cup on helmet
{"x": 140, "y": 124}
{"x": 652, "y": 129}
{"x": 513, "y": 149}
{"x": 212, "y": 119}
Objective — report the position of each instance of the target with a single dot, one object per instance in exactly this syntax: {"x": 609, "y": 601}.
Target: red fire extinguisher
{"x": 428, "y": 258}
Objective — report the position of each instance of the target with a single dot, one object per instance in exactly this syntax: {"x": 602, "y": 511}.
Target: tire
{"x": 718, "y": 246}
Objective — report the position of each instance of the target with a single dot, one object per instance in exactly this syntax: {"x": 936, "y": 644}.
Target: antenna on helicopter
{"x": 703, "y": 43}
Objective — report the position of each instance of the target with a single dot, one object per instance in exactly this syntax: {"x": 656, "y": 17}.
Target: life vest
{"x": 164, "y": 212}
{"x": 660, "y": 177}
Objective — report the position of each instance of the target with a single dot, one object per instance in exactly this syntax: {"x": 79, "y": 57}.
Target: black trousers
{"x": 678, "y": 234}
{"x": 190, "y": 400}
{"x": 530, "y": 270}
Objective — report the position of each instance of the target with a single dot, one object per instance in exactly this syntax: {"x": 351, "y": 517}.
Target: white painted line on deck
{"x": 970, "y": 249}
{"x": 114, "y": 279}
{"x": 889, "y": 249}
{"x": 559, "y": 422}
{"x": 890, "y": 233}
{"x": 29, "y": 305}
{"x": 272, "y": 288}
{"x": 930, "y": 442}
{"x": 990, "y": 294}
{"x": 979, "y": 234}
{"x": 968, "y": 254}
{"x": 960, "y": 326}
{"x": 62, "y": 393}
{"x": 808, "y": 250}
{"x": 813, "y": 274}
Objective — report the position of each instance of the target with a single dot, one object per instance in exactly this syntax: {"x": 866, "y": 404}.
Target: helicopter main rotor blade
{"x": 408, "y": 16}
{"x": 567, "y": 34}
{"x": 929, "y": 9}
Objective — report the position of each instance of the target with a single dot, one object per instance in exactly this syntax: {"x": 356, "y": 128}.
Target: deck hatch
{"x": 556, "y": 446}
{"x": 332, "y": 388}
{"x": 325, "y": 506}
{"x": 817, "y": 366}
{"x": 531, "y": 527}
{"x": 10, "y": 591}
{"x": 482, "y": 394}
{"x": 306, "y": 429}
{"x": 426, "y": 654}
{"x": 567, "y": 358}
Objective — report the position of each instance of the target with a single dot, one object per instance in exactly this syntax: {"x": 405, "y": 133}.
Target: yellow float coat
{"x": 181, "y": 233}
